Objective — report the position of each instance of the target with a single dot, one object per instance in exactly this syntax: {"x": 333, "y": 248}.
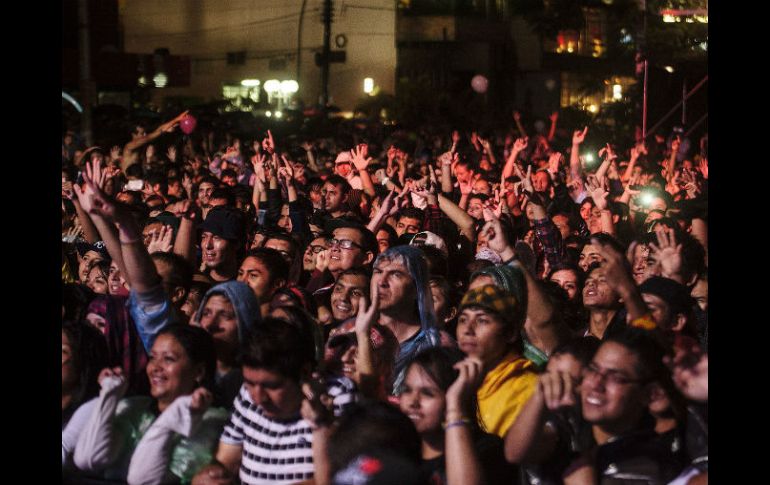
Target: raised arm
{"x": 554, "y": 118}
{"x": 461, "y": 218}
{"x": 510, "y": 164}
{"x": 361, "y": 161}
{"x": 367, "y": 314}
{"x": 576, "y": 170}
{"x": 134, "y": 145}
{"x": 462, "y": 463}
{"x": 619, "y": 277}
{"x": 99, "y": 444}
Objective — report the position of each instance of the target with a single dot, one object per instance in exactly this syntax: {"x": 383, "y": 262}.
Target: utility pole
{"x": 328, "y": 13}
{"x": 299, "y": 39}
{"x": 86, "y": 83}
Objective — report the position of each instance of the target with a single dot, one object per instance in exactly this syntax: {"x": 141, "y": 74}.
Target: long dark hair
{"x": 199, "y": 346}
{"x": 89, "y": 354}
{"x": 438, "y": 363}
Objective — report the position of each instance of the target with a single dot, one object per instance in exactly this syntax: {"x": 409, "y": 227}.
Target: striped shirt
{"x": 277, "y": 452}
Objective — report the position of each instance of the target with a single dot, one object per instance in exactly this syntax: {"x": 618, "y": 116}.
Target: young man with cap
{"x": 222, "y": 234}
{"x": 489, "y": 328}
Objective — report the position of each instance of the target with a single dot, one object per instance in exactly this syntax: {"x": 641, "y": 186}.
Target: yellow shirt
{"x": 504, "y": 391}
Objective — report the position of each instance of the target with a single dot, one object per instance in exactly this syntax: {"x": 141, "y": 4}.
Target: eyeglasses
{"x": 614, "y": 377}
{"x": 316, "y": 249}
{"x": 344, "y": 243}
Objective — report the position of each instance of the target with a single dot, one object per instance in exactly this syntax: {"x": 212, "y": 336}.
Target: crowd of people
{"x": 416, "y": 306}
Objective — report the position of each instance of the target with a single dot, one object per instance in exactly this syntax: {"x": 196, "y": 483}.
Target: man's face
{"x": 408, "y": 225}
{"x": 562, "y": 224}
{"x": 311, "y": 253}
{"x": 481, "y": 186}
{"x": 597, "y": 293}
{"x": 661, "y": 312}
{"x": 229, "y": 180}
{"x": 333, "y": 198}
{"x": 283, "y": 247}
{"x": 217, "y": 251}
{"x": 284, "y": 222}
{"x": 482, "y": 334}
{"x": 644, "y": 266}
{"x": 611, "y": 395}
{"x": 219, "y": 319}
{"x": 585, "y": 211}
{"x": 254, "y": 273}
{"x": 594, "y": 221}
{"x": 175, "y": 188}
{"x": 463, "y": 174}
{"x": 278, "y": 396}
{"x": 395, "y": 284}
{"x": 346, "y": 294}
{"x": 383, "y": 240}
{"x": 116, "y": 283}
{"x": 204, "y": 192}
{"x": 342, "y": 259}
{"x": 700, "y": 293}
{"x": 589, "y": 254}
{"x": 541, "y": 181}
{"x": 149, "y": 230}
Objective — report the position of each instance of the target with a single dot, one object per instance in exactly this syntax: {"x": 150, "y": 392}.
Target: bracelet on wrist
{"x": 458, "y": 422}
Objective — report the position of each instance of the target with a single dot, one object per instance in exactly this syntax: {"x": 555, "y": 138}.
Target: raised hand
{"x": 667, "y": 253}
{"x": 460, "y": 393}
{"x": 455, "y": 138}
{"x": 316, "y": 408}
{"x": 72, "y": 233}
{"x": 368, "y": 313}
{"x": 493, "y": 230}
{"x": 201, "y": 400}
{"x": 554, "y": 116}
{"x": 558, "y": 390}
{"x": 516, "y": 116}
{"x": 675, "y": 144}
{"x": 268, "y": 144}
{"x": 579, "y": 136}
{"x": 703, "y": 167}
{"x": 113, "y": 378}
{"x": 598, "y": 194}
{"x": 466, "y": 187}
{"x": 520, "y": 144}
{"x": 115, "y": 153}
{"x": 161, "y": 240}
{"x": 690, "y": 369}
{"x": 187, "y": 183}
{"x": 616, "y": 268}
{"x": 554, "y": 162}
{"x": 322, "y": 260}
{"x": 171, "y": 153}
{"x": 360, "y": 157}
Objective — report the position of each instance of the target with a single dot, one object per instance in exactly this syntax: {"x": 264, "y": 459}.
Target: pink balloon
{"x": 480, "y": 83}
{"x": 188, "y": 124}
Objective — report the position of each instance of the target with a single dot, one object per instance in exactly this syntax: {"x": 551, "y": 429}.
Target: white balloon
{"x": 480, "y": 83}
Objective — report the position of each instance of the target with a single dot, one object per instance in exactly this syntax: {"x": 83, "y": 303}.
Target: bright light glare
{"x": 268, "y": 113}
{"x": 668, "y": 68}
{"x": 368, "y": 85}
{"x": 272, "y": 86}
{"x": 160, "y": 80}
{"x": 289, "y": 87}
{"x": 589, "y": 157}
{"x": 279, "y": 114}
{"x": 617, "y": 91}
{"x": 250, "y": 83}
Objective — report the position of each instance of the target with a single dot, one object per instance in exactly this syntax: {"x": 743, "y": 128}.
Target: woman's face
{"x": 97, "y": 281}
{"x": 422, "y": 401}
{"x": 84, "y": 262}
{"x": 567, "y": 279}
{"x": 170, "y": 370}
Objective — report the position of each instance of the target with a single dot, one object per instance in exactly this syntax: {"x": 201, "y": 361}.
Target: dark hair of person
{"x": 412, "y": 213}
{"x": 438, "y": 265}
{"x": 392, "y": 235}
{"x": 229, "y": 172}
{"x": 277, "y": 267}
{"x": 581, "y": 348}
{"x": 209, "y": 179}
{"x": 90, "y": 356}
{"x": 181, "y": 272}
{"x": 75, "y": 299}
{"x": 372, "y": 426}
{"x": 280, "y": 347}
{"x": 199, "y": 346}
{"x": 135, "y": 170}
{"x": 223, "y": 193}
{"x": 339, "y": 182}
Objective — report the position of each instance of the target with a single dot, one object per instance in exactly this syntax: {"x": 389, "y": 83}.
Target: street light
{"x": 289, "y": 87}
{"x": 272, "y": 86}
{"x": 250, "y": 83}
{"x": 368, "y": 85}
